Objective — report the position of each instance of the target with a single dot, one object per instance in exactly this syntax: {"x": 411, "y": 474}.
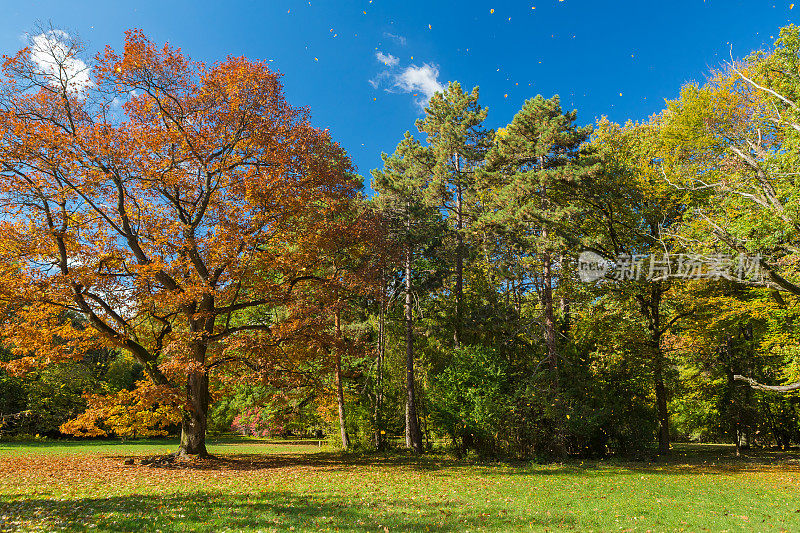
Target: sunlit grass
{"x": 253, "y": 488}
{"x": 222, "y": 445}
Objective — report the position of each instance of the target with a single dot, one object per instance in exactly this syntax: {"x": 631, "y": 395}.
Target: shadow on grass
{"x": 685, "y": 459}
{"x": 443, "y": 465}
{"x": 216, "y": 511}
{"x": 330, "y": 461}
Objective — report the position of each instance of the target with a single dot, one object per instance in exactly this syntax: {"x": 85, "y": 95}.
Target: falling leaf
{"x": 491, "y": 11}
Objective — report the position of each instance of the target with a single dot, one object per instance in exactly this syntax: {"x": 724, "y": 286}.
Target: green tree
{"x": 412, "y": 224}
{"x": 734, "y": 144}
{"x": 529, "y": 185}
{"x": 632, "y": 214}
{"x": 458, "y": 142}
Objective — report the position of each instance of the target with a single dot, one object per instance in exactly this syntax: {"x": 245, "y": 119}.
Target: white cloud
{"x": 387, "y": 59}
{"x": 57, "y": 59}
{"x": 118, "y": 102}
{"x": 378, "y": 80}
{"x": 399, "y": 39}
{"x": 424, "y": 79}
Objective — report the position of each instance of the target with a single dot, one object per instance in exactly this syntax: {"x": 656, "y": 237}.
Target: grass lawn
{"x": 259, "y": 486}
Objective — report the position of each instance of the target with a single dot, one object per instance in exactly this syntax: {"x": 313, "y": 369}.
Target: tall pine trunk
{"x": 413, "y": 434}
{"x": 459, "y": 257}
{"x": 564, "y": 308}
{"x": 547, "y": 292}
{"x": 549, "y": 314}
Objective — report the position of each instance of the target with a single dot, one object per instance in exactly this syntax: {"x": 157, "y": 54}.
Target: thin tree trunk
{"x": 564, "y": 307}
{"x": 378, "y": 415}
{"x": 413, "y": 435}
{"x": 339, "y": 388}
{"x": 459, "y": 257}
{"x": 549, "y": 315}
{"x": 661, "y": 404}
{"x": 732, "y": 411}
{"x": 748, "y": 392}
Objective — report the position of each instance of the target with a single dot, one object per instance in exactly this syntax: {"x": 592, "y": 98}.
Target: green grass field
{"x": 256, "y": 486}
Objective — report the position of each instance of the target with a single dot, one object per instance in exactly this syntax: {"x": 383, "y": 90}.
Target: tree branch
{"x": 771, "y": 388}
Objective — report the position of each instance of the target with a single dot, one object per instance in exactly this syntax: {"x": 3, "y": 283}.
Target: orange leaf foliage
{"x": 146, "y": 411}
{"x": 182, "y": 209}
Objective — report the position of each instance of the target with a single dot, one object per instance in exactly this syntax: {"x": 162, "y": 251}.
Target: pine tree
{"x": 530, "y": 180}
{"x": 458, "y": 143}
{"x": 411, "y": 222}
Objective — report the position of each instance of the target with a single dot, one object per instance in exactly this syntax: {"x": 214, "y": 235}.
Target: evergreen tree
{"x": 531, "y": 173}
{"x": 458, "y": 143}
{"x": 412, "y": 224}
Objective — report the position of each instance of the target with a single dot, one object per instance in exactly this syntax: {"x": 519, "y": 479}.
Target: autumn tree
{"x": 174, "y": 205}
{"x": 632, "y": 212}
{"x": 733, "y": 144}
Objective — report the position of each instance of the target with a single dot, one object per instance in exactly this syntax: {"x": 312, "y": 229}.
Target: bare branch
{"x": 771, "y": 388}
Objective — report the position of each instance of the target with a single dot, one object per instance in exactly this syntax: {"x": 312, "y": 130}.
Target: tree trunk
{"x": 193, "y": 425}
{"x": 378, "y": 415}
{"x": 339, "y": 388}
{"x": 549, "y": 315}
{"x": 650, "y": 309}
{"x": 413, "y": 434}
{"x": 547, "y": 291}
{"x": 658, "y": 370}
{"x": 661, "y": 404}
{"x": 564, "y": 307}
{"x": 459, "y": 259}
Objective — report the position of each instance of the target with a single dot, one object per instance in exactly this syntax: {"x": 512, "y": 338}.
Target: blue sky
{"x": 620, "y": 59}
